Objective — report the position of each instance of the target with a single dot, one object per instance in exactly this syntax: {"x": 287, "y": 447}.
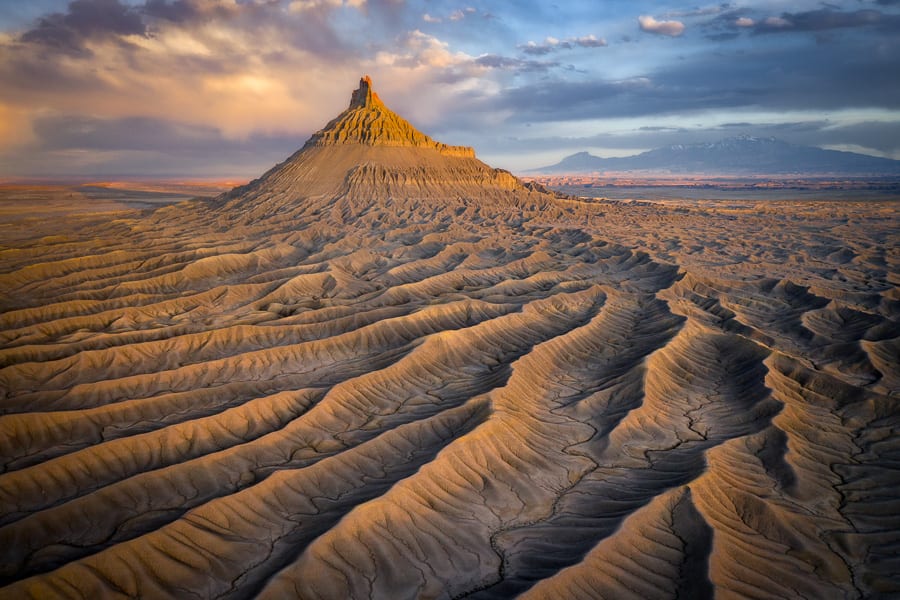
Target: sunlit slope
{"x": 324, "y": 385}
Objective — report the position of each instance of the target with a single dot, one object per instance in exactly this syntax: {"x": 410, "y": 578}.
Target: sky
{"x": 208, "y": 89}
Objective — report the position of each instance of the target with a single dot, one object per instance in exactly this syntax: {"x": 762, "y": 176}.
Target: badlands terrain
{"x": 386, "y": 370}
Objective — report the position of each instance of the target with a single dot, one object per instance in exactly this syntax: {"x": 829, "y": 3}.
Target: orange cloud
{"x": 669, "y": 28}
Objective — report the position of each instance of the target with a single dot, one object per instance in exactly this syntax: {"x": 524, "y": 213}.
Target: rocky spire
{"x": 368, "y": 121}
{"x": 364, "y": 97}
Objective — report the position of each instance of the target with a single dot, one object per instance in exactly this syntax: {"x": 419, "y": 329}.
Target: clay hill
{"x": 371, "y": 159}
{"x": 387, "y": 370}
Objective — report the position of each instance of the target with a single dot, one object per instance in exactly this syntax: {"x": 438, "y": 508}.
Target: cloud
{"x": 198, "y": 95}
{"x": 175, "y": 10}
{"x": 456, "y": 15}
{"x": 307, "y": 5}
{"x": 775, "y": 23}
{"x": 76, "y": 145}
{"x": 773, "y": 77}
{"x": 669, "y": 28}
{"x": 552, "y": 44}
{"x": 215, "y": 77}
{"x": 871, "y": 137}
{"x": 696, "y": 12}
{"x": 418, "y": 49}
{"x": 576, "y": 100}
{"x": 495, "y": 61}
{"x": 85, "y": 19}
{"x": 878, "y": 136}
{"x": 203, "y": 61}
{"x": 827, "y": 19}
{"x": 79, "y": 132}
{"x": 729, "y": 24}
{"x": 590, "y": 41}
{"x": 536, "y": 49}
{"x": 238, "y": 69}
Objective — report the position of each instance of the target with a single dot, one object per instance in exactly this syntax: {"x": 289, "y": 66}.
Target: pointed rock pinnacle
{"x": 368, "y": 121}
{"x": 364, "y": 97}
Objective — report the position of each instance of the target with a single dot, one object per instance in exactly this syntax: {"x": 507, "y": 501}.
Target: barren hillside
{"x": 387, "y": 370}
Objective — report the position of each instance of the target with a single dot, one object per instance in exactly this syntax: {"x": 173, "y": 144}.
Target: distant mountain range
{"x": 742, "y": 155}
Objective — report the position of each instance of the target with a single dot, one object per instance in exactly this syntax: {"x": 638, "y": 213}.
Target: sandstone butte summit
{"x": 370, "y": 157}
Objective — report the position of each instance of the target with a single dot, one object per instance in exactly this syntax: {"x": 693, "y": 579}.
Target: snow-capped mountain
{"x": 741, "y": 155}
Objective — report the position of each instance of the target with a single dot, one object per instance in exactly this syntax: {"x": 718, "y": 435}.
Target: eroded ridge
{"x": 419, "y": 378}
{"x": 478, "y": 411}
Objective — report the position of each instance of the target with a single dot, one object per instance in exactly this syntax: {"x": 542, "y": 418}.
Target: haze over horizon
{"x": 206, "y": 88}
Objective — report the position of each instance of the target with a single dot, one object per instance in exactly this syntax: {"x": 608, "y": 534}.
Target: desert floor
{"x": 608, "y": 400}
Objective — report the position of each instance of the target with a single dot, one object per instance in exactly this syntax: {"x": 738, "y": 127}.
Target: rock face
{"x": 368, "y": 121}
{"x": 364, "y": 96}
{"x": 382, "y": 371}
